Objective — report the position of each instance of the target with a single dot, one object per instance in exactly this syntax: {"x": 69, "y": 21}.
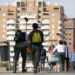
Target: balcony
{"x": 45, "y": 27}
{"x": 32, "y": 21}
{"x": 11, "y": 22}
{"x": 29, "y": 22}
{"x": 46, "y": 13}
{"x": 10, "y": 38}
{"x": 45, "y": 22}
{"x": 22, "y": 22}
{"x": 11, "y": 48}
{"x": 10, "y": 27}
{"x": 45, "y": 32}
{"x": 23, "y": 27}
{"x": 12, "y": 43}
{"x": 28, "y": 16}
{"x": 29, "y": 27}
{"x": 10, "y": 33}
{"x": 11, "y": 59}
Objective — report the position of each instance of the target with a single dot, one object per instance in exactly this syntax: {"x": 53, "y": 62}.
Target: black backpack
{"x": 20, "y": 36}
{"x": 23, "y": 36}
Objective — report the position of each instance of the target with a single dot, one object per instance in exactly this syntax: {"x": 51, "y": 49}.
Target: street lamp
{"x": 26, "y": 19}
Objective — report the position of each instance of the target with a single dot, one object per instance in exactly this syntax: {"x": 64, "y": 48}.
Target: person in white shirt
{"x": 60, "y": 50}
{"x": 66, "y": 55}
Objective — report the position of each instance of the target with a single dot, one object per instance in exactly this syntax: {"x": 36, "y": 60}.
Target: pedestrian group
{"x": 32, "y": 44}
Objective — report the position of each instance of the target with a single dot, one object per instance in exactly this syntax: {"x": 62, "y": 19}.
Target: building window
{"x": 39, "y": 11}
{"x": 55, "y": 10}
{"x": 39, "y": 4}
{"x": 68, "y": 34}
{"x": 69, "y": 43}
{"x": 22, "y": 4}
{"x": 10, "y": 13}
{"x": 44, "y": 9}
{"x": 18, "y": 4}
{"x": 46, "y": 13}
{"x": 67, "y": 29}
{"x": 68, "y": 39}
{"x": 39, "y": 21}
{"x": 67, "y": 25}
{"x": 23, "y": 9}
{"x": 29, "y": 9}
{"x": 39, "y": 16}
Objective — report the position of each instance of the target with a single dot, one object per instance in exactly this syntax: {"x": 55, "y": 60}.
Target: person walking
{"x": 72, "y": 57}
{"x": 66, "y": 55}
{"x": 19, "y": 48}
{"x": 42, "y": 58}
{"x": 36, "y": 38}
{"x": 60, "y": 49}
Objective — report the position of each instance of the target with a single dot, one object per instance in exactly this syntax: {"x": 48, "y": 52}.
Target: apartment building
{"x": 69, "y": 27}
{"x": 49, "y": 17}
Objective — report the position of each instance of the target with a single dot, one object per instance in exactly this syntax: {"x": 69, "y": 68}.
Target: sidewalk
{"x": 39, "y": 73}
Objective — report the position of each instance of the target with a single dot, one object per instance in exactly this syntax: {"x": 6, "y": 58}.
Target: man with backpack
{"x": 19, "y": 47}
{"x": 36, "y": 38}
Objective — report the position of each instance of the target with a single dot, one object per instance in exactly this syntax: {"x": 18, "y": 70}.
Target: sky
{"x": 69, "y": 6}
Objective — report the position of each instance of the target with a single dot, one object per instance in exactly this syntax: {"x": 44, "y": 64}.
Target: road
{"x": 39, "y": 73}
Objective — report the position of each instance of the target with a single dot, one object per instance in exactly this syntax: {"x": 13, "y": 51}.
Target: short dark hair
{"x": 61, "y": 42}
{"x": 64, "y": 42}
{"x": 35, "y": 25}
